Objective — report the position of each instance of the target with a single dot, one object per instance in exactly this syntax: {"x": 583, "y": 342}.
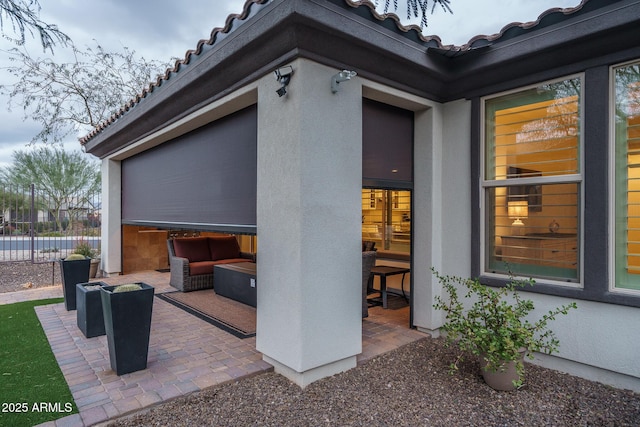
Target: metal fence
{"x": 38, "y": 225}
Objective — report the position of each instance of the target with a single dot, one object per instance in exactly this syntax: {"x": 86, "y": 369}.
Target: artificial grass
{"x": 32, "y": 387}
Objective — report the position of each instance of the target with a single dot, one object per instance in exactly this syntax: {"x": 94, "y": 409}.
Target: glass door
{"x": 386, "y": 219}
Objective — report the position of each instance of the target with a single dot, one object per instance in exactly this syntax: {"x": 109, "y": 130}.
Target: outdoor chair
{"x": 368, "y": 261}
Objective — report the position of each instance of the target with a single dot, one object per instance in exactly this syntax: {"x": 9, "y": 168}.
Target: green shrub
{"x": 75, "y": 257}
{"x": 496, "y": 325}
{"x": 51, "y": 234}
{"x": 84, "y": 248}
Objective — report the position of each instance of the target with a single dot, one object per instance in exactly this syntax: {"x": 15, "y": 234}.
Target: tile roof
{"x": 367, "y": 9}
{"x": 233, "y": 21}
{"x": 434, "y": 42}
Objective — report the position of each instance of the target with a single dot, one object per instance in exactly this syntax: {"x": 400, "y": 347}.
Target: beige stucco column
{"x": 111, "y": 257}
{"x": 309, "y": 322}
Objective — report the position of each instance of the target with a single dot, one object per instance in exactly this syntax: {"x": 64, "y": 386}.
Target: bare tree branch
{"x": 23, "y": 17}
{"x": 76, "y": 96}
{"x": 418, "y": 8}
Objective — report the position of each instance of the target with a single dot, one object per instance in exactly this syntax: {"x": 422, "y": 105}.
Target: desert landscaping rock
{"x": 409, "y": 386}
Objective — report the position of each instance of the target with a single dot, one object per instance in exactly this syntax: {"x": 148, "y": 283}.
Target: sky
{"x": 165, "y": 29}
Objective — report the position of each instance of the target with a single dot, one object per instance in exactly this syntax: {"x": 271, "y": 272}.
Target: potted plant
{"x": 89, "y": 309}
{"x": 74, "y": 269}
{"x": 84, "y": 248}
{"x": 495, "y": 328}
{"x": 127, "y": 319}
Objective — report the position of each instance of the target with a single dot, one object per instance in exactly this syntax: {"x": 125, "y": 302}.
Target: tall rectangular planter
{"x": 73, "y": 272}
{"x": 89, "y": 309}
{"x": 127, "y": 321}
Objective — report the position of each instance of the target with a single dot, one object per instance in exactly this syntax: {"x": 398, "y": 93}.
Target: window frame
{"x": 612, "y": 183}
{"x": 484, "y": 185}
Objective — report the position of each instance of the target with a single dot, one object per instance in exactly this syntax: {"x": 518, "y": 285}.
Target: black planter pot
{"x": 127, "y": 321}
{"x": 89, "y": 305}
{"x": 73, "y": 272}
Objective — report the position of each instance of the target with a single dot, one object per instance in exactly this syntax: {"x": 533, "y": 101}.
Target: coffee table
{"x": 236, "y": 281}
{"x": 383, "y": 271}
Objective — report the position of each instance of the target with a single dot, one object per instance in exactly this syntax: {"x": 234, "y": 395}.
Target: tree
{"x": 23, "y": 18}
{"x": 66, "y": 178}
{"x": 418, "y": 8}
{"x": 76, "y": 96}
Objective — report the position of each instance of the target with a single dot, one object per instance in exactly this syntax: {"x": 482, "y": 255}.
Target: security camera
{"x": 342, "y": 76}
{"x": 282, "y": 91}
{"x": 283, "y": 76}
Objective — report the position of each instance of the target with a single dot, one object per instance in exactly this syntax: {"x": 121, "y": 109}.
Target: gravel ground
{"x": 407, "y": 387}
{"x": 21, "y": 275}
{"x": 410, "y": 386}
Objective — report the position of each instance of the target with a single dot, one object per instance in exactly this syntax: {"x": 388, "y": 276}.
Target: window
{"x": 532, "y": 182}
{"x": 386, "y": 219}
{"x": 627, "y": 177}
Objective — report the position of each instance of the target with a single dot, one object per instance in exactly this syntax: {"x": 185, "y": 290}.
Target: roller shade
{"x": 204, "y": 180}
{"x": 387, "y": 146}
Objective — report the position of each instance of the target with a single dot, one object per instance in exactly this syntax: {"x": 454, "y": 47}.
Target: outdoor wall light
{"x": 342, "y": 76}
{"x": 283, "y": 76}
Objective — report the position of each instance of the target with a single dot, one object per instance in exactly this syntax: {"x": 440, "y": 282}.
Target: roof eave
{"x": 280, "y": 32}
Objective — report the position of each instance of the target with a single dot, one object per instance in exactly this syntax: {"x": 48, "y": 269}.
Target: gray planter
{"x": 73, "y": 272}
{"x": 93, "y": 270}
{"x": 502, "y": 379}
{"x": 89, "y": 309}
{"x": 127, "y": 321}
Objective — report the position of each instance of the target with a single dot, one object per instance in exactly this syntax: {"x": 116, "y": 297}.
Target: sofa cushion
{"x": 206, "y": 267}
{"x": 195, "y": 249}
{"x": 223, "y": 247}
{"x": 202, "y": 267}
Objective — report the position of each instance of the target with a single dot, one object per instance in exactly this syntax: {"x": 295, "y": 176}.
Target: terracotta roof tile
{"x": 233, "y": 21}
{"x": 411, "y": 30}
{"x": 514, "y": 29}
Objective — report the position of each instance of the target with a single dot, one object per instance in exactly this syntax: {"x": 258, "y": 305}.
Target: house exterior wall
{"x": 597, "y": 341}
{"x": 308, "y": 219}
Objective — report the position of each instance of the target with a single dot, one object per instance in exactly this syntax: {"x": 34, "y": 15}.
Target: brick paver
{"x": 186, "y": 354}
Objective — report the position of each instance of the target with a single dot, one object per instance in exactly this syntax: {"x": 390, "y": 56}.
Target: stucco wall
{"x": 598, "y": 335}
{"x": 442, "y": 214}
{"x": 111, "y": 251}
{"x": 308, "y": 218}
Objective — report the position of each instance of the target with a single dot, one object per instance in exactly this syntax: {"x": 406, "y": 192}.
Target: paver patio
{"x": 186, "y": 354}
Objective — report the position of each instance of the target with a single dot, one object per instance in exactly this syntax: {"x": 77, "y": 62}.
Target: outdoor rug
{"x": 231, "y": 316}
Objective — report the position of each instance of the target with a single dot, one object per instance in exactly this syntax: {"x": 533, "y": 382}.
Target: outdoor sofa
{"x": 191, "y": 259}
